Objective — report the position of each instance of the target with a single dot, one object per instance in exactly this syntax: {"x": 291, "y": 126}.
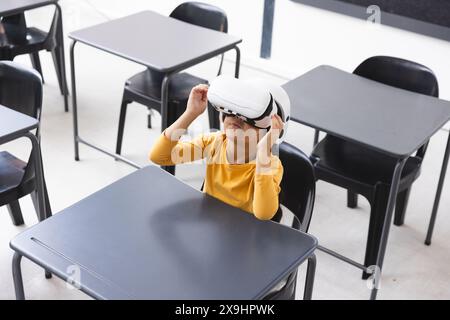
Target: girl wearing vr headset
{"x": 241, "y": 167}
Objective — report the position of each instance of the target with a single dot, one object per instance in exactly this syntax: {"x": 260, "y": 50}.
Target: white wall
{"x": 303, "y": 36}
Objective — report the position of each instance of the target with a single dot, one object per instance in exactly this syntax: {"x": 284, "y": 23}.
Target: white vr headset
{"x": 252, "y": 100}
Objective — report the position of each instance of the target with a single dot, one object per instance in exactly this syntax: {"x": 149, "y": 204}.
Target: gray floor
{"x": 412, "y": 270}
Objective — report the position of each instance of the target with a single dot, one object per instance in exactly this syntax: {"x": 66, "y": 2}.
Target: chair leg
{"x": 400, "y": 207}
{"x": 48, "y": 208}
{"x": 352, "y": 199}
{"x": 377, "y": 215}
{"x": 123, "y": 113}
{"x": 56, "y": 55}
{"x": 294, "y": 289}
{"x": 34, "y": 198}
{"x": 172, "y": 116}
{"x": 214, "y": 118}
{"x": 48, "y": 274}
{"x": 316, "y": 137}
{"x": 36, "y": 62}
{"x": 310, "y": 274}
{"x": 149, "y": 118}
{"x": 15, "y": 213}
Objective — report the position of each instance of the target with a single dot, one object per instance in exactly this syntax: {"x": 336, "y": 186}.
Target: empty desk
{"x": 170, "y": 46}
{"x": 131, "y": 240}
{"x": 389, "y": 120}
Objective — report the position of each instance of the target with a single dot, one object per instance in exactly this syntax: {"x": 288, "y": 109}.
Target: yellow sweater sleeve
{"x": 166, "y": 152}
{"x": 266, "y": 191}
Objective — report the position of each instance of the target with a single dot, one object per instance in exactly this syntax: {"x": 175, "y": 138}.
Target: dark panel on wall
{"x": 433, "y": 11}
{"x": 428, "y": 17}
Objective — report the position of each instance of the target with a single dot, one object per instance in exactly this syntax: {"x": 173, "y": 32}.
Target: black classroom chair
{"x": 18, "y": 39}
{"x": 367, "y": 172}
{"x": 298, "y": 188}
{"x": 298, "y": 191}
{"x": 20, "y": 90}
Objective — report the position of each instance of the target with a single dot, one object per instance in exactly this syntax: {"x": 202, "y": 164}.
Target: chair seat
{"x": 359, "y": 165}
{"x": 12, "y": 170}
{"x": 17, "y": 40}
{"x": 148, "y": 83}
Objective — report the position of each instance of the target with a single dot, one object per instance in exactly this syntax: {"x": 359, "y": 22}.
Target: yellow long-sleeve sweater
{"x": 236, "y": 184}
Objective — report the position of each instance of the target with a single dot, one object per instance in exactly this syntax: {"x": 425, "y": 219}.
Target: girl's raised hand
{"x": 198, "y": 100}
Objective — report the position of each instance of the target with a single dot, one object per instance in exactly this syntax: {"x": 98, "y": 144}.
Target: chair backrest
{"x": 17, "y": 19}
{"x": 20, "y": 89}
{"x": 298, "y": 189}
{"x": 202, "y": 14}
{"x": 19, "y": 29}
{"x": 403, "y": 74}
{"x": 400, "y": 73}
{"x": 15, "y": 27}
{"x": 298, "y": 186}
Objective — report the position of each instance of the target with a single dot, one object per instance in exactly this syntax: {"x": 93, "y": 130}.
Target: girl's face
{"x": 235, "y": 127}
{"x": 234, "y": 123}
{"x": 243, "y": 139}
